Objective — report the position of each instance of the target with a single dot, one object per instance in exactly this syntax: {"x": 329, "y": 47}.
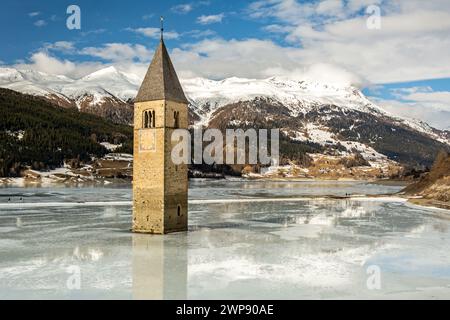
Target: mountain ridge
{"x": 110, "y": 83}
{"x": 37, "y": 134}
{"x": 339, "y": 118}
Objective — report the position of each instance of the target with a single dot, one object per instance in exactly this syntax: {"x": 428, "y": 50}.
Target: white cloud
{"x": 147, "y": 16}
{"x": 118, "y": 52}
{"x": 200, "y": 33}
{"x": 34, "y": 14}
{"x": 40, "y": 23}
{"x": 95, "y": 31}
{"x": 252, "y": 58}
{"x": 422, "y": 103}
{"x": 358, "y": 5}
{"x": 435, "y": 117}
{"x": 425, "y": 96}
{"x": 42, "y": 61}
{"x": 328, "y": 73}
{"x": 400, "y": 92}
{"x": 287, "y": 11}
{"x": 276, "y": 28}
{"x": 215, "y": 18}
{"x": 182, "y": 8}
{"x": 211, "y": 58}
{"x": 219, "y": 58}
{"x": 62, "y": 46}
{"x": 185, "y": 8}
{"x": 330, "y": 7}
{"x": 155, "y": 33}
{"x": 412, "y": 43}
{"x": 438, "y": 98}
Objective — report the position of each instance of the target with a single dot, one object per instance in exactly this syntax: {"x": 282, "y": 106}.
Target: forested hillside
{"x": 36, "y": 133}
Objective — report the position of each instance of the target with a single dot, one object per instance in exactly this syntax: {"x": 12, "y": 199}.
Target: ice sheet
{"x": 240, "y": 248}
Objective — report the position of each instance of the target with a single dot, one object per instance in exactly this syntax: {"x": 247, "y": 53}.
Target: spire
{"x": 161, "y": 81}
{"x": 162, "y": 28}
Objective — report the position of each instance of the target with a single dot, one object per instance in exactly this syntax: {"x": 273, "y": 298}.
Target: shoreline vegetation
{"x": 122, "y": 173}
{"x": 432, "y": 188}
{"x": 113, "y": 166}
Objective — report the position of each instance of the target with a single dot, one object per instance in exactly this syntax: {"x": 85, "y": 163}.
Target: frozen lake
{"x": 249, "y": 246}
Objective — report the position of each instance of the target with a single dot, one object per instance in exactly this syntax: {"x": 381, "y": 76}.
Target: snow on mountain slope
{"x": 298, "y": 96}
{"x": 106, "y": 83}
{"x": 9, "y": 75}
{"x": 110, "y": 80}
{"x": 110, "y": 86}
{"x": 35, "y": 83}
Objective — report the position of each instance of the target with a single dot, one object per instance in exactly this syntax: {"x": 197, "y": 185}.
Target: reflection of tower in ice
{"x": 159, "y": 267}
{"x": 111, "y": 212}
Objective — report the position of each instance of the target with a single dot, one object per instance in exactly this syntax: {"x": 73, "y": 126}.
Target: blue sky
{"x": 109, "y": 22}
{"x": 402, "y": 62}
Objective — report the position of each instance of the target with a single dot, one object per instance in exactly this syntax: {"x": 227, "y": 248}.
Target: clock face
{"x": 147, "y": 140}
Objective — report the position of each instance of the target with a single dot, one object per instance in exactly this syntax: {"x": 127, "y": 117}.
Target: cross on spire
{"x": 162, "y": 27}
{"x": 161, "y": 81}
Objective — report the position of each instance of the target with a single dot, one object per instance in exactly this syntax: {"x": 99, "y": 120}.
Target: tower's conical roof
{"x": 161, "y": 81}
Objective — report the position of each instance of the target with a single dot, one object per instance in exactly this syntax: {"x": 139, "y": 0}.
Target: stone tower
{"x": 159, "y": 186}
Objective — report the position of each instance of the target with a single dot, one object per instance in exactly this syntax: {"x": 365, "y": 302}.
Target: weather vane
{"x": 162, "y": 27}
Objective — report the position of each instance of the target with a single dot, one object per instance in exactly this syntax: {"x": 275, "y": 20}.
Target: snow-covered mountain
{"x": 102, "y": 83}
{"x": 206, "y": 96}
{"x": 106, "y": 92}
{"x": 314, "y": 117}
{"x": 306, "y": 111}
{"x": 300, "y": 97}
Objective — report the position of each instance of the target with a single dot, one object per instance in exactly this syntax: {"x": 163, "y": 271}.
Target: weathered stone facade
{"x": 159, "y": 186}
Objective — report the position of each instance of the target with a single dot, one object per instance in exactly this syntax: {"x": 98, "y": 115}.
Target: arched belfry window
{"x": 148, "y": 119}
{"x": 176, "y": 118}
{"x": 145, "y": 120}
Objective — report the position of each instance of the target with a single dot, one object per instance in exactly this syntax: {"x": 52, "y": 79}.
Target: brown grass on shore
{"x": 436, "y": 184}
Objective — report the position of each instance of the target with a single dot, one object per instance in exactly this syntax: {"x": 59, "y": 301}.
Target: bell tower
{"x": 159, "y": 186}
